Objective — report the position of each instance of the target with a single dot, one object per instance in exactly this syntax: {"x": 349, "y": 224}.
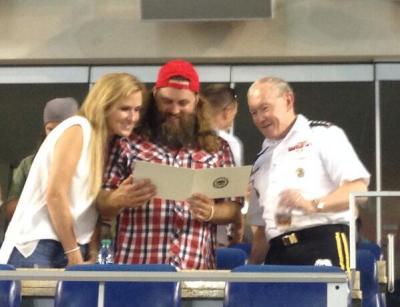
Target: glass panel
{"x": 21, "y": 106}
{"x": 390, "y": 110}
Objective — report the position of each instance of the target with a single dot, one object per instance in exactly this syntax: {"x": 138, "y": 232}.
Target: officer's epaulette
{"x": 319, "y": 123}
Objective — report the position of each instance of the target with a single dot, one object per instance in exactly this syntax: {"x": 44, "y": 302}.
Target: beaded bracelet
{"x": 71, "y": 250}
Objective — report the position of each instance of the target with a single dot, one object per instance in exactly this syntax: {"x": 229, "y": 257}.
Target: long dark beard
{"x": 177, "y": 134}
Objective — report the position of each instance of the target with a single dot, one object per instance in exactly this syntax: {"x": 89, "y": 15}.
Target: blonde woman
{"x": 55, "y": 217}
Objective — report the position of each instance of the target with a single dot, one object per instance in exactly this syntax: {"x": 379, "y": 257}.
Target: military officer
{"x": 301, "y": 182}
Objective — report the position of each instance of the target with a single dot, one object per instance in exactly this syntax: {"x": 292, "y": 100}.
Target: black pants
{"x": 320, "y": 242}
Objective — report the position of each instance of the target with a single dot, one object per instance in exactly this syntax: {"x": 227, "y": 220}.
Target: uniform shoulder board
{"x": 319, "y": 123}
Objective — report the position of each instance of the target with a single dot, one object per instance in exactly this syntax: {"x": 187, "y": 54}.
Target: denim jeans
{"x": 47, "y": 254}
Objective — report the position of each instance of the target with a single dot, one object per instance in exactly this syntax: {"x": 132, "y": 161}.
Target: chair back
{"x": 228, "y": 258}
{"x": 374, "y": 248}
{"x": 244, "y": 246}
{"x": 119, "y": 294}
{"x": 366, "y": 265}
{"x": 10, "y": 291}
{"x": 279, "y": 294}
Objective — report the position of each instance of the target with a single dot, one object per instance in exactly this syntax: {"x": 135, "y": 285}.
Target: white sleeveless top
{"x": 31, "y": 221}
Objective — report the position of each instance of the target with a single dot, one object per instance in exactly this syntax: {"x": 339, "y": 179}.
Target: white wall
{"x": 104, "y": 31}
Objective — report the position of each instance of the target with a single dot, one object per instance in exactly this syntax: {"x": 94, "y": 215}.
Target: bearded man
{"x": 175, "y": 130}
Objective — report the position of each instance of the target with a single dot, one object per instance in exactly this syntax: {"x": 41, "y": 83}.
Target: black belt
{"x": 308, "y": 234}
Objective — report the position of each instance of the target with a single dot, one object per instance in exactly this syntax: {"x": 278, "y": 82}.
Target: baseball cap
{"x": 59, "y": 109}
{"x": 178, "y": 68}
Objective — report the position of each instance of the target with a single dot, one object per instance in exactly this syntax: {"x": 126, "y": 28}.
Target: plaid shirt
{"x": 163, "y": 231}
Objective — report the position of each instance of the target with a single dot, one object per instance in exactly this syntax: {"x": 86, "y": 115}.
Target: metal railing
{"x": 353, "y": 233}
{"x": 101, "y": 276}
{"x": 337, "y": 282}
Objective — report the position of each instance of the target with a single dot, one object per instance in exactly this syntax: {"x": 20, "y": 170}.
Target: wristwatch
{"x": 318, "y": 204}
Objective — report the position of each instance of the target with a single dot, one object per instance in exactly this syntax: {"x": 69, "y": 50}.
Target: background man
{"x": 301, "y": 182}
{"x": 175, "y": 130}
{"x": 55, "y": 111}
{"x": 224, "y": 108}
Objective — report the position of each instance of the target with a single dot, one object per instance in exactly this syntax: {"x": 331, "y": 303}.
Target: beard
{"x": 176, "y": 131}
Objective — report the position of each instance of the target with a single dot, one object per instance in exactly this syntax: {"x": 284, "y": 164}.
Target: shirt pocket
{"x": 299, "y": 168}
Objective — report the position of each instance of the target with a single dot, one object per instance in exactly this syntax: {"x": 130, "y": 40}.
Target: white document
{"x": 179, "y": 183}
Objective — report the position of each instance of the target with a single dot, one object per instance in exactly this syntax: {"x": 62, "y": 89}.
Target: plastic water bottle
{"x": 106, "y": 255}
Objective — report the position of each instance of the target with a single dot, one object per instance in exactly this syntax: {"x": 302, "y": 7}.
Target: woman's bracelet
{"x": 72, "y": 250}
{"x": 211, "y": 215}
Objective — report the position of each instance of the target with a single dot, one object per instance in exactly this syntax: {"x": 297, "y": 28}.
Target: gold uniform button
{"x": 300, "y": 172}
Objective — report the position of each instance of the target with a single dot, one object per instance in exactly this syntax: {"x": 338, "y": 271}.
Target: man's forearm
{"x": 259, "y": 246}
{"x": 338, "y": 200}
{"x": 226, "y": 212}
{"x": 106, "y": 204}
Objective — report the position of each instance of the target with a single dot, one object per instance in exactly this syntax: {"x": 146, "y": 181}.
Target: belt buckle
{"x": 290, "y": 239}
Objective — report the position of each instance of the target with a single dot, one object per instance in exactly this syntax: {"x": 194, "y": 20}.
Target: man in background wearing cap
{"x": 175, "y": 130}
{"x": 55, "y": 111}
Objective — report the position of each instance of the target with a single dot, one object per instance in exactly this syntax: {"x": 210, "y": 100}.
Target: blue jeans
{"x": 47, "y": 254}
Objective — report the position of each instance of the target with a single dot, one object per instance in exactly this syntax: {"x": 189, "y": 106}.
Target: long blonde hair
{"x": 109, "y": 90}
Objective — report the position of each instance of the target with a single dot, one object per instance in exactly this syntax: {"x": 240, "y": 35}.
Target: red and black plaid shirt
{"x": 163, "y": 231}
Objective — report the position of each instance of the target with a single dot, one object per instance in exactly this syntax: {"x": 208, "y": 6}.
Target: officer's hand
{"x": 134, "y": 193}
{"x": 201, "y": 207}
{"x": 293, "y": 199}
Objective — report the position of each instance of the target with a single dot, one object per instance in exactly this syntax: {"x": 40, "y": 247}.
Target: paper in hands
{"x": 179, "y": 183}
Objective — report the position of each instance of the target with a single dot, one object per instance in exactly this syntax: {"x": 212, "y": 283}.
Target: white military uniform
{"x": 314, "y": 158}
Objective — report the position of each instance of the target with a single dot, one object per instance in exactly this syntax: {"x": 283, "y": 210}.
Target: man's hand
{"x": 293, "y": 199}
{"x": 259, "y": 245}
{"x": 133, "y": 193}
{"x": 237, "y": 230}
{"x": 92, "y": 258}
{"x": 201, "y": 207}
